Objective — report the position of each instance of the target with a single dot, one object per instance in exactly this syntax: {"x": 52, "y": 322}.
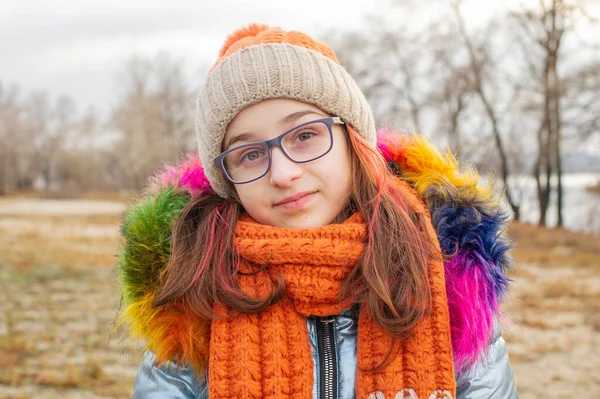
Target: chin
{"x": 305, "y": 222}
{"x": 302, "y": 220}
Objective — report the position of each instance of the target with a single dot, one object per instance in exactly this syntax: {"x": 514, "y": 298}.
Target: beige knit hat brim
{"x": 268, "y": 71}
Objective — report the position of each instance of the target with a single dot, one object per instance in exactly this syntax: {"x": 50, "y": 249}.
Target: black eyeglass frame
{"x": 276, "y": 142}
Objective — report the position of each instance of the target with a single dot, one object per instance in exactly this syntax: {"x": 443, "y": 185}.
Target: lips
{"x": 294, "y": 198}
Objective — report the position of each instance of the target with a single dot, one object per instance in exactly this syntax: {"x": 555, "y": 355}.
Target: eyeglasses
{"x": 303, "y": 143}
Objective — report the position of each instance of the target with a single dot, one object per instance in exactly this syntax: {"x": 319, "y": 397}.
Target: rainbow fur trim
{"x": 469, "y": 222}
{"x": 471, "y": 230}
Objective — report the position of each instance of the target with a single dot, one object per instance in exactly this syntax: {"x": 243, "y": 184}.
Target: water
{"x": 581, "y": 208}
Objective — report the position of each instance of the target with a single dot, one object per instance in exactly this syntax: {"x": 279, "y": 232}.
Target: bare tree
{"x": 22, "y": 123}
{"x": 434, "y": 77}
{"x": 543, "y": 30}
{"x": 51, "y": 142}
{"x": 478, "y": 61}
{"x": 581, "y": 103}
{"x": 155, "y": 117}
{"x": 9, "y": 122}
{"x": 388, "y": 66}
{"x": 46, "y": 143}
{"x": 454, "y": 87}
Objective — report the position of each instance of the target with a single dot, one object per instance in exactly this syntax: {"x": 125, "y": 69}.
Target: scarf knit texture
{"x": 268, "y": 354}
{"x": 467, "y": 287}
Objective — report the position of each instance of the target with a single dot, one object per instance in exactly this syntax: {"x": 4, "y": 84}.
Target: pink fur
{"x": 392, "y": 145}
{"x": 472, "y": 305}
{"x": 189, "y": 175}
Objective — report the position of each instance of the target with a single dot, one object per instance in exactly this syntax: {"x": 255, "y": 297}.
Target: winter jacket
{"x": 490, "y": 378}
{"x": 471, "y": 230}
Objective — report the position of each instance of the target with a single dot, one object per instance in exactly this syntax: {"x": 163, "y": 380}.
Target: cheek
{"x": 252, "y": 201}
{"x": 246, "y": 195}
{"x": 344, "y": 179}
{"x": 337, "y": 174}
{"x": 344, "y": 166}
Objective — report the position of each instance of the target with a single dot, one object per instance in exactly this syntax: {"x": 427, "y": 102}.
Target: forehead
{"x": 267, "y": 114}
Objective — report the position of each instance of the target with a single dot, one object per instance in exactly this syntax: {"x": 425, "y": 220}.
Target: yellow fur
{"x": 426, "y": 167}
{"x": 171, "y": 332}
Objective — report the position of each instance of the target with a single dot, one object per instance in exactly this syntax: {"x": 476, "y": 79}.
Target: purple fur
{"x": 188, "y": 175}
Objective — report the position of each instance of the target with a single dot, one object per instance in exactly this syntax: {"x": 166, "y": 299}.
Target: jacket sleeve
{"x": 168, "y": 381}
{"x": 491, "y": 376}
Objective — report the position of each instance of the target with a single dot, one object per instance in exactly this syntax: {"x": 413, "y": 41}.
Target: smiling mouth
{"x": 296, "y": 201}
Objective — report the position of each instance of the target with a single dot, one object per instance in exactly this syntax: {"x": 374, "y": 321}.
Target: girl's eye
{"x": 252, "y": 156}
{"x": 304, "y": 136}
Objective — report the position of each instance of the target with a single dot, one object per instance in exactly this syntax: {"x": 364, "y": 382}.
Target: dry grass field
{"x": 57, "y": 303}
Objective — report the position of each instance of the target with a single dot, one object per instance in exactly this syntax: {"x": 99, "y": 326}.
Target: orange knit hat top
{"x": 255, "y": 34}
{"x": 258, "y": 63}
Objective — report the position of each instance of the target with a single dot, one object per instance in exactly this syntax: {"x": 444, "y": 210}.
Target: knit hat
{"x": 257, "y": 63}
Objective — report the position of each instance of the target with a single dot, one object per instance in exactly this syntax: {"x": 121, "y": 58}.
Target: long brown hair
{"x": 390, "y": 278}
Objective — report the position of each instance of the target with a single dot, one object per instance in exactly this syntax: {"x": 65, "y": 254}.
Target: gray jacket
{"x": 490, "y": 378}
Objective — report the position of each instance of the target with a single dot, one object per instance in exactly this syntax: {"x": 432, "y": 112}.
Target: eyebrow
{"x": 240, "y": 137}
{"x": 291, "y": 118}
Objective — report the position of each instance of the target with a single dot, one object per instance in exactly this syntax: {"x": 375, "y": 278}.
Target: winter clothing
{"x": 490, "y": 378}
{"x": 310, "y": 345}
{"x": 259, "y": 63}
{"x": 468, "y": 224}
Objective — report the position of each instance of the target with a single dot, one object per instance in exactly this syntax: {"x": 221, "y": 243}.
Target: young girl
{"x": 305, "y": 255}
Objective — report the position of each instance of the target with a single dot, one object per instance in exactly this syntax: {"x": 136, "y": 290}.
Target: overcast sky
{"x": 75, "y": 47}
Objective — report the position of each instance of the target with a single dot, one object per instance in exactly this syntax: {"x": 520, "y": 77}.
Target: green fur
{"x": 146, "y": 230}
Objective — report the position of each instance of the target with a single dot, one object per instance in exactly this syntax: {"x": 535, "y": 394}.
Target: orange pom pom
{"x": 247, "y": 31}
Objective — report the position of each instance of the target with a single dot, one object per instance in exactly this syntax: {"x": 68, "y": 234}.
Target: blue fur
{"x": 477, "y": 231}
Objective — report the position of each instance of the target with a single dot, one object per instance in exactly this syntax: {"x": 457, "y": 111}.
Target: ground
{"x": 58, "y": 301}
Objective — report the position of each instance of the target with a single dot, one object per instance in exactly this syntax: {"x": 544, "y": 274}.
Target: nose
{"x": 283, "y": 170}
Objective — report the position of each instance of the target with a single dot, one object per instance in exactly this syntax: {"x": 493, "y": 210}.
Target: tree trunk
{"x": 559, "y": 173}
{"x": 556, "y": 96}
{"x": 477, "y": 71}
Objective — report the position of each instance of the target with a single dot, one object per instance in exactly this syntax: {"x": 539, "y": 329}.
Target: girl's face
{"x": 291, "y": 194}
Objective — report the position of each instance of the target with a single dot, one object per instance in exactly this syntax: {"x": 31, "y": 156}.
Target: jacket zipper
{"x": 327, "y": 357}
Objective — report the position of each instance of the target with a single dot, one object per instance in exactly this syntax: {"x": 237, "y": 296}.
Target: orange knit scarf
{"x": 268, "y": 354}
